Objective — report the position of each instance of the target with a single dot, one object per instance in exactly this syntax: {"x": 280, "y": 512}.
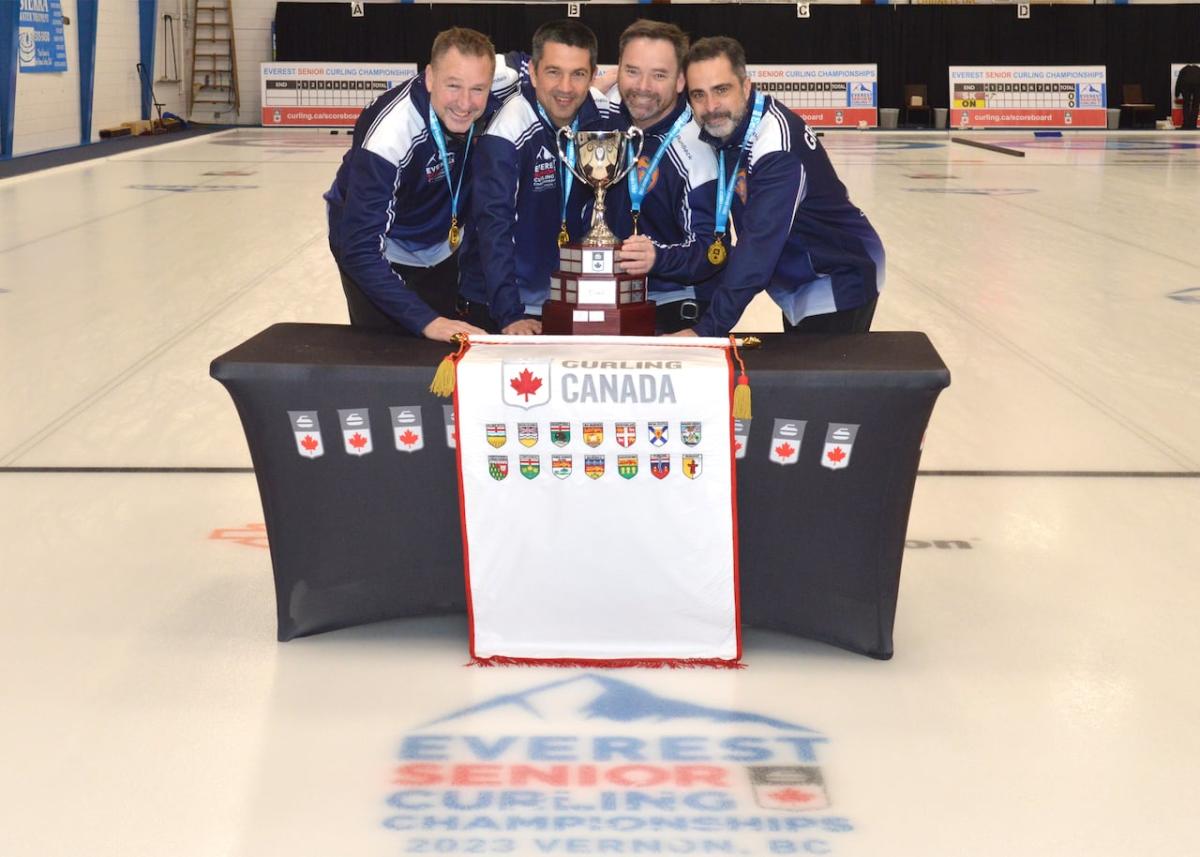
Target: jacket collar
{"x": 588, "y": 115}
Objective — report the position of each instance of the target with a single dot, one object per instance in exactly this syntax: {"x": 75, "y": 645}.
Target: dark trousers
{"x": 437, "y": 286}
{"x": 856, "y": 320}
{"x": 1191, "y": 106}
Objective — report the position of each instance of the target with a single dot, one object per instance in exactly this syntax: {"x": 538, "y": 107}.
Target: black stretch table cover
{"x": 357, "y": 539}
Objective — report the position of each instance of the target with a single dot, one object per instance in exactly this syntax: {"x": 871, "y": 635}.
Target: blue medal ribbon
{"x": 640, "y": 186}
{"x": 565, "y": 181}
{"x": 439, "y": 139}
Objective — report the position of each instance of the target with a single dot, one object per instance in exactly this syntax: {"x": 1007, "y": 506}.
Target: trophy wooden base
{"x": 590, "y": 294}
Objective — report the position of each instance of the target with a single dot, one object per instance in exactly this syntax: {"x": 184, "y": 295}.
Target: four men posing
{"x": 718, "y": 158}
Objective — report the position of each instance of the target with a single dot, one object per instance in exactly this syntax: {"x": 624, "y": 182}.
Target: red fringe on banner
{"x": 632, "y": 663}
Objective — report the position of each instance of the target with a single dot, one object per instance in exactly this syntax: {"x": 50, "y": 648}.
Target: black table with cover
{"x": 357, "y": 539}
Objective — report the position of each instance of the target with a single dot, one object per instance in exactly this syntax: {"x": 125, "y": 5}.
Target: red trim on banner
{"x": 610, "y": 664}
{"x": 462, "y": 515}
{"x": 737, "y": 587}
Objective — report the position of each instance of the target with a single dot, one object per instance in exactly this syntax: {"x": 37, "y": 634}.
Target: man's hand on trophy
{"x": 444, "y": 329}
{"x": 524, "y": 327}
{"x": 637, "y": 255}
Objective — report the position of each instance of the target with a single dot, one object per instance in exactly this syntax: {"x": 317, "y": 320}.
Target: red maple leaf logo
{"x": 784, "y": 450}
{"x": 408, "y": 438}
{"x": 525, "y": 384}
{"x": 836, "y": 454}
{"x": 790, "y": 795}
{"x": 309, "y": 442}
{"x": 737, "y": 444}
{"x": 358, "y": 441}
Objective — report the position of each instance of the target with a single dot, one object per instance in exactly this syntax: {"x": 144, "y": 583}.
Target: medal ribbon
{"x": 639, "y": 187}
{"x": 724, "y": 192}
{"x": 568, "y": 179}
{"x": 439, "y": 139}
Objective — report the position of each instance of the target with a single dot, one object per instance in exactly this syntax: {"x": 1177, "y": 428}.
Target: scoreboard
{"x": 1028, "y": 97}
{"x": 328, "y": 95}
{"x": 826, "y": 96}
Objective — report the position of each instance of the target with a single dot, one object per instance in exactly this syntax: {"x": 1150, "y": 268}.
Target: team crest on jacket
{"x": 526, "y": 384}
{"x": 626, "y": 434}
{"x": 593, "y": 466}
{"x": 642, "y": 163}
{"x": 740, "y": 187}
{"x": 689, "y": 433}
{"x": 692, "y": 466}
{"x": 562, "y": 465}
{"x": 593, "y": 434}
{"x": 527, "y": 434}
{"x": 658, "y": 433}
{"x": 498, "y": 467}
{"x": 627, "y": 466}
{"x": 497, "y": 434}
{"x": 545, "y": 170}
{"x": 531, "y": 466}
{"x": 560, "y": 433}
{"x": 660, "y": 465}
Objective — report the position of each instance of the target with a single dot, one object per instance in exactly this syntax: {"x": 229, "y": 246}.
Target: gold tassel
{"x": 741, "y": 393}
{"x": 444, "y": 378}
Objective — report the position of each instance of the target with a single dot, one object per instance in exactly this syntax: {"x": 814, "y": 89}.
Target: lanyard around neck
{"x": 566, "y": 176}
{"x": 640, "y": 186}
{"x": 439, "y": 139}
{"x": 725, "y": 187}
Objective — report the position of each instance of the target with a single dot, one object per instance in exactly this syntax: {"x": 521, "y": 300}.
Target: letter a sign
{"x": 356, "y": 10}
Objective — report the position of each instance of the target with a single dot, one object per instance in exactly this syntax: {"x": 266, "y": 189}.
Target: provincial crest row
{"x": 562, "y": 465}
{"x": 592, "y": 434}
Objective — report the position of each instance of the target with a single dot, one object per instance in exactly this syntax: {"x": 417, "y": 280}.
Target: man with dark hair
{"x": 1187, "y": 90}
{"x": 397, "y": 204}
{"x": 524, "y": 197}
{"x": 798, "y": 235}
{"x": 667, "y": 201}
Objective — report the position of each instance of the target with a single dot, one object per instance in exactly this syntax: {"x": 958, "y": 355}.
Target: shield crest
{"x": 498, "y": 467}
{"x": 497, "y": 434}
{"x": 660, "y": 465}
{"x": 627, "y": 466}
{"x": 593, "y": 434}
{"x": 794, "y": 788}
{"x": 839, "y": 443}
{"x": 531, "y": 466}
{"x": 593, "y": 466}
{"x": 562, "y": 465}
{"x": 693, "y": 465}
{"x": 626, "y": 434}
{"x": 689, "y": 433}
{"x": 658, "y": 433}
{"x": 527, "y": 434}
{"x": 560, "y": 433}
{"x": 526, "y": 384}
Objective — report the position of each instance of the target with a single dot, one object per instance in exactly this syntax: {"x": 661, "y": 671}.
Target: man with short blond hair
{"x": 799, "y": 238}
{"x": 397, "y": 204}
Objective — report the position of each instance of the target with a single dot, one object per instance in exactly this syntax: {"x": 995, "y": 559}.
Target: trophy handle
{"x": 633, "y": 131}
{"x": 562, "y": 156}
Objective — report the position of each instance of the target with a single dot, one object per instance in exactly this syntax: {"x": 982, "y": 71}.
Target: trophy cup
{"x": 590, "y": 293}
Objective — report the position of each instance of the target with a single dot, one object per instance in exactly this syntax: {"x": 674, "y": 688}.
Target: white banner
{"x": 598, "y": 498}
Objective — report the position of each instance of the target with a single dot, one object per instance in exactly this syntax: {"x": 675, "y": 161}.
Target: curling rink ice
{"x": 1044, "y": 695}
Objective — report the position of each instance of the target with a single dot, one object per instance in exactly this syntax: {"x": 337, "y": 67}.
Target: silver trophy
{"x": 601, "y": 160}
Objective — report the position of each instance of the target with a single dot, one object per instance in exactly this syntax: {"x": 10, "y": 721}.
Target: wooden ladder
{"x": 214, "y": 59}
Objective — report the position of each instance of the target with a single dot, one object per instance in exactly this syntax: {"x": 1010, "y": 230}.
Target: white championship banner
{"x": 599, "y": 517}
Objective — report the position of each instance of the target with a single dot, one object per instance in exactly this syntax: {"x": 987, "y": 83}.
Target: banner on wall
{"x": 41, "y": 46}
{"x": 1028, "y": 96}
{"x": 597, "y": 498}
{"x": 328, "y": 95}
{"x": 826, "y": 96}
{"x": 1176, "y": 103}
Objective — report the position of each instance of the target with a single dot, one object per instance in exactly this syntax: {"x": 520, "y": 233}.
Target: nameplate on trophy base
{"x": 599, "y": 300}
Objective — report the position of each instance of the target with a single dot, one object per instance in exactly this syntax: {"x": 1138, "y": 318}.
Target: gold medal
{"x": 563, "y": 236}
{"x": 455, "y": 234}
{"x": 716, "y": 251}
